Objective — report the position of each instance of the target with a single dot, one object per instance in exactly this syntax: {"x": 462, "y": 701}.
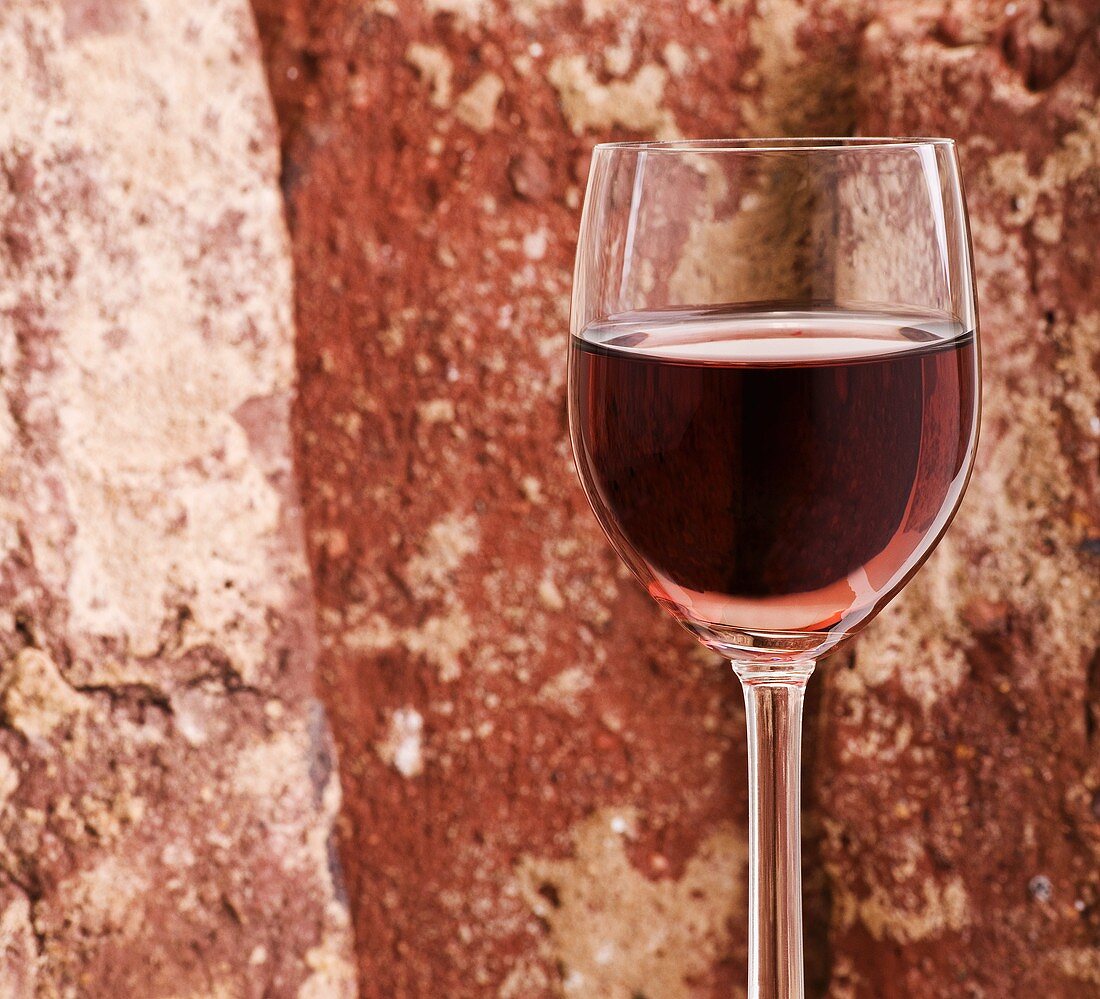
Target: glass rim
{"x": 775, "y": 145}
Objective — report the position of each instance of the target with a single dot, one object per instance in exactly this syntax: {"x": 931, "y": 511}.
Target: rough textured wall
{"x": 165, "y": 780}
{"x": 544, "y": 789}
{"x": 543, "y": 778}
{"x": 958, "y": 775}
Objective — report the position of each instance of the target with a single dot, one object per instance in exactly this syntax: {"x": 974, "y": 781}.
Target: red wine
{"x": 774, "y": 472}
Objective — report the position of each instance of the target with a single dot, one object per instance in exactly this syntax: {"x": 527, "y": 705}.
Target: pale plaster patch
{"x": 477, "y": 106}
{"x": 676, "y": 58}
{"x": 18, "y": 948}
{"x": 549, "y": 595}
{"x": 331, "y": 973}
{"x": 468, "y": 11}
{"x": 1077, "y": 154}
{"x": 564, "y": 689}
{"x": 535, "y": 244}
{"x": 928, "y": 665}
{"x": 1079, "y": 963}
{"x": 275, "y": 775}
{"x": 529, "y": 12}
{"x": 9, "y": 779}
{"x": 445, "y": 547}
{"x": 590, "y": 105}
{"x": 598, "y": 10}
{"x": 403, "y": 746}
{"x": 526, "y": 979}
{"x": 275, "y": 770}
{"x": 34, "y": 698}
{"x": 798, "y": 86}
{"x": 433, "y": 64}
{"x": 908, "y": 917}
{"x": 373, "y": 634}
{"x": 717, "y": 262}
{"x": 615, "y": 932}
{"x": 440, "y": 639}
{"x": 106, "y": 898}
{"x": 1075, "y": 365}
{"x": 436, "y": 411}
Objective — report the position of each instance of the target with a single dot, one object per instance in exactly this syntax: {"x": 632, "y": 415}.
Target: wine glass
{"x": 773, "y": 401}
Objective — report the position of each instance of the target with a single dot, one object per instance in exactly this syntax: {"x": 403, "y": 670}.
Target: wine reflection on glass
{"x": 773, "y": 397}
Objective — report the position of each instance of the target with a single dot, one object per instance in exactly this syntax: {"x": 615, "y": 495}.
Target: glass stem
{"x": 773, "y": 714}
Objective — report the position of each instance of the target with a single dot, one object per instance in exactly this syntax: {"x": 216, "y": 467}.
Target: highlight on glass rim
{"x": 560, "y": 500}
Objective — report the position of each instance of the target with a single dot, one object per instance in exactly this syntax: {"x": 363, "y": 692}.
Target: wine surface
{"x": 771, "y": 471}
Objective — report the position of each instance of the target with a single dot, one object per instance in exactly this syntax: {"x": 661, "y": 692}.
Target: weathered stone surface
{"x": 495, "y": 677}
{"x": 501, "y": 690}
{"x": 164, "y": 770}
{"x": 958, "y": 762}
